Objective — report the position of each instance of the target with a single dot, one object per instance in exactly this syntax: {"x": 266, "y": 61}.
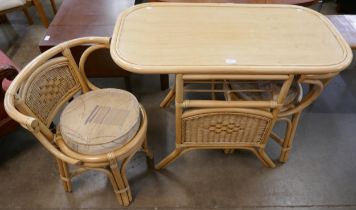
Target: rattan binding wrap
{"x": 227, "y": 127}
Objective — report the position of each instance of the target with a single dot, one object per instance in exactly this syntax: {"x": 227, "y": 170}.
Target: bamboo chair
{"x": 52, "y": 81}
{"x": 224, "y": 124}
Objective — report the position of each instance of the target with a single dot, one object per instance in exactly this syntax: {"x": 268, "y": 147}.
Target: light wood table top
{"x": 163, "y": 38}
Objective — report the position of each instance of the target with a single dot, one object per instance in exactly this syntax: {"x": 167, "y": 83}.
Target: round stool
{"x": 99, "y": 128}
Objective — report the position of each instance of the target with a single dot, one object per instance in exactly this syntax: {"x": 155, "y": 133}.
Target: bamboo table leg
{"x": 169, "y": 98}
{"x": 41, "y": 12}
{"x": 287, "y": 145}
{"x": 177, "y": 152}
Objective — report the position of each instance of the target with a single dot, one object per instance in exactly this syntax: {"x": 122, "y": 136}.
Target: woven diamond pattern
{"x": 225, "y": 128}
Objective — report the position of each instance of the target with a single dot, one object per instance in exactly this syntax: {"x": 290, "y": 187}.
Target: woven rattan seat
{"x": 100, "y": 121}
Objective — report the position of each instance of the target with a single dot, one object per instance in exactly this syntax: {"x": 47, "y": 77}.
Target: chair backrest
{"x": 50, "y": 80}
{"x": 47, "y": 88}
{"x": 46, "y": 84}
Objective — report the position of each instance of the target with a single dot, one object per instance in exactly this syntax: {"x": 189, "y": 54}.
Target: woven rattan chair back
{"x": 47, "y": 89}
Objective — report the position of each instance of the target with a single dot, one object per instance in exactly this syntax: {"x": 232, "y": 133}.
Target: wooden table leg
{"x": 41, "y": 12}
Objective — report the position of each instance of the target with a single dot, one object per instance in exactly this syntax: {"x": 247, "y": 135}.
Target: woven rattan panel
{"x": 225, "y": 128}
{"x": 48, "y": 88}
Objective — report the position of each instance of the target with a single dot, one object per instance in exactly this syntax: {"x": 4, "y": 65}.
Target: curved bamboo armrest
{"x": 83, "y": 59}
{"x": 10, "y": 100}
{"x": 33, "y": 125}
{"x": 28, "y": 122}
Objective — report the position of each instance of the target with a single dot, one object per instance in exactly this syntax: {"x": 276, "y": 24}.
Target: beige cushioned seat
{"x": 9, "y": 4}
{"x": 100, "y": 121}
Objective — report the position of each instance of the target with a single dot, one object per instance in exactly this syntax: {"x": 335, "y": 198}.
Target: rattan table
{"x": 211, "y": 42}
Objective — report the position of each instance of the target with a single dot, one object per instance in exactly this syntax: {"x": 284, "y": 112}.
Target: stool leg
{"x": 65, "y": 177}
{"x": 110, "y": 175}
{"x": 147, "y": 151}
{"x": 149, "y": 154}
{"x": 123, "y": 175}
{"x": 287, "y": 144}
{"x": 123, "y": 193}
